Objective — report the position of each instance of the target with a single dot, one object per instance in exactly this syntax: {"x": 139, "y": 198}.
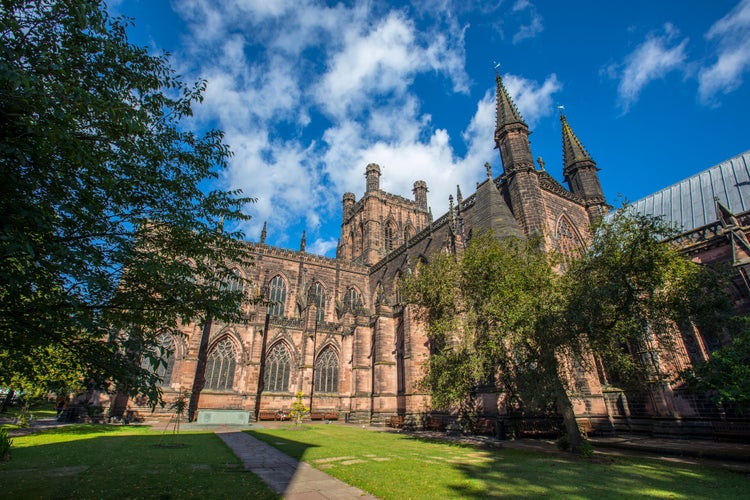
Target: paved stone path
{"x": 285, "y": 475}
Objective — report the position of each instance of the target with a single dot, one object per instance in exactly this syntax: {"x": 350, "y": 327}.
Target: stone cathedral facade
{"x": 337, "y": 330}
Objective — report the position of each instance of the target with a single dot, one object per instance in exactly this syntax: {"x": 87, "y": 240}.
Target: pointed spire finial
{"x": 459, "y": 196}
{"x": 496, "y": 65}
{"x": 263, "y": 234}
{"x": 488, "y": 167}
{"x": 573, "y": 150}
{"x": 303, "y": 243}
{"x": 507, "y": 112}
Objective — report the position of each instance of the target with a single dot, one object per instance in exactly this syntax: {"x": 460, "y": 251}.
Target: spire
{"x": 507, "y": 112}
{"x": 263, "y": 234}
{"x": 303, "y": 243}
{"x": 459, "y": 196}
{"x": 580, "y": 172}
{"x": 573, "y": 150}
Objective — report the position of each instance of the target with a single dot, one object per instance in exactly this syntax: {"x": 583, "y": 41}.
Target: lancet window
{"x": 221, "y": 365}
{"x": 327, "y": 372}
{"x": 278, "y": 369}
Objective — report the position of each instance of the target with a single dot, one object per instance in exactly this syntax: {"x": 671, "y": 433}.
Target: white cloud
{"x": 277, "y": 72}
{"x": 534, "y": 24}
{"x": 653, "y": 59}
{"x": 323, "y": 246}
{"x": 381, "y": 61}
{"x": 732, "y": 35}
{"x": 534, "y": 101}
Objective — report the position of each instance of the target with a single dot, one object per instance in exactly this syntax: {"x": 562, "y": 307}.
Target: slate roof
{"x": 690, "y": 203}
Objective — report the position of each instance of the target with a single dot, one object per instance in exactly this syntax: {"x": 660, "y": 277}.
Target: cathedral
{"x": 336, "y": 329}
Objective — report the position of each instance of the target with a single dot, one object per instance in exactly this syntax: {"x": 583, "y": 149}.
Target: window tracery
{"x": 327, "y": 372}
{"x": 276, "y": 296}
{"x": 221, "y": 366}
{"x": 278, "y": 369}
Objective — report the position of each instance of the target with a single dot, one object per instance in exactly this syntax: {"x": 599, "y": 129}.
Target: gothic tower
{"x": 512, "y": 139}
{"x": 580, "y": 172}
{"x": 380, "y": 222}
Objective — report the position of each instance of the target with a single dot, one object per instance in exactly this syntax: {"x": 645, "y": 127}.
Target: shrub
{"x": 5, "y": 444}
{"x": 563, "y": 443}
{"x": 587, "y": 449}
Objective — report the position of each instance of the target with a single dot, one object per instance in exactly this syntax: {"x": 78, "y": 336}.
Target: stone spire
{"x": 507, "y": 113}
{"x": 573, "y": 150}
{"x": 519, "y": 171}
{"x": 263, "y": 234}
{"x": 459, "y": 196}
{"x": 580, "y": 172}
{"x": 303, "y": 243}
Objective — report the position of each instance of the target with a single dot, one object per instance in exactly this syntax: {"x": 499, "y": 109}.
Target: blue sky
{"x": 308, "y": 93}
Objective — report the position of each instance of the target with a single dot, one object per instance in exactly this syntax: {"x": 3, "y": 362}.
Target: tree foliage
{"x": 108, "y": 236}
{"x": 501, "y": 312}
{"x": 633, "y": 289}
{"x": 725, "y": 377}
{"x": 484, "y": 313}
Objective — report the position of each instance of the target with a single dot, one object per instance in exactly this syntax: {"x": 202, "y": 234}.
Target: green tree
{"x": 108, "y": 233}
{"x": 502, "y": 312}
{"x": 298, "y": 409}
{"x": 492, "y": 315}
{"x": 633, "y": 289}
{"x": 725, "y": 377}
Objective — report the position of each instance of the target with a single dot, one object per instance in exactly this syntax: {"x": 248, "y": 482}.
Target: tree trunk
{"x": 200, "y": 369}
{"x": 565, "y": 407}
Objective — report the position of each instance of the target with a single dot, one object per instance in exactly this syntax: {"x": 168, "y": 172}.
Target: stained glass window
{"x": 316, "y": 295}
{"x": 327, "y": 372}
{"x": 568, "y": 243}
{"x": 276, "y": 296}
{"x": 352, "y": 302}
{"x": 221, "y": 366}
{"x": 278, "y": 369}
{"x": 166, "y": 348}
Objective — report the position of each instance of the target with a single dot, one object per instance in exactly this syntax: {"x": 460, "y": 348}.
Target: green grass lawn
{"x": 103, "y": 461}
{"x": 400, "y": 466}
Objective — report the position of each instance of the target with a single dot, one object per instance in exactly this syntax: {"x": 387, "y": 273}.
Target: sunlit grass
{"x": 102, "y": 461}
{"x": 397, "y": 466}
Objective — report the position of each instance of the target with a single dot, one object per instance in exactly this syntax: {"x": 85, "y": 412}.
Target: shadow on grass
{"x": 490, "y": 472}
{"x": 525, "y": 473}
{"x": 288, "y": 446}
{"x": 93, "y": 461}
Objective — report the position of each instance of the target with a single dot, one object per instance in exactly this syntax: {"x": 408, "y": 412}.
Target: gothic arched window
{"x": 352, "y": 300}
{"x": 327, "y": 372}
{"x": 165, "y": 348}
{"x": 233, "y": 283}
{"x": 396, "y": 289}
{"x": 388, "y": 236}
{"x": 276, "y": 296}
{"x": 220, "y": 366}
{"x": 278, "y": 369}
{"x": 568, "y": 243}
{"x": 317, "y": 295}
{"x": 408, "y": 232}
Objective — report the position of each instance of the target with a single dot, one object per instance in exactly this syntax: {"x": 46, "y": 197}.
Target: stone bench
{"x": 223, "y": 417}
